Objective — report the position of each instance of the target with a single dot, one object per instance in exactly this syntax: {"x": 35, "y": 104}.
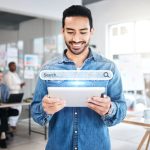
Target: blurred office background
{"x": 30, "y": 35}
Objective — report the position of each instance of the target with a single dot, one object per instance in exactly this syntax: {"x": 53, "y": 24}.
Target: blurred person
{"x": 79, "y": 128}
{"x": 15, "y": 85}
{"x": 4, "y": 112}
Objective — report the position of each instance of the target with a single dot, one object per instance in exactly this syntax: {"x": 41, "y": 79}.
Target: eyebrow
{"x": 84, "y": 29}
{"x": 69, "y": 29}
{"x": 80, "y": 29}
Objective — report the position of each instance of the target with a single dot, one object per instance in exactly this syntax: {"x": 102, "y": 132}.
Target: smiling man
{"x": 77, "y": 35}
{"x": 79, "y": 128}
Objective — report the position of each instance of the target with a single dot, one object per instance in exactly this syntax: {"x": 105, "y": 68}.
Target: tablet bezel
{"x": 75, "y": 96}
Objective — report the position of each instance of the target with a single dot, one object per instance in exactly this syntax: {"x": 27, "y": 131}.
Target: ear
{"x": 62, "y": 30}
{"x": 92, "y": 31}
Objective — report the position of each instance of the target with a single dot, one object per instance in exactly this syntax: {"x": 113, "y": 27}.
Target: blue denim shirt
{"x": 80, "y": 127}
{"x": 4, "y": 92}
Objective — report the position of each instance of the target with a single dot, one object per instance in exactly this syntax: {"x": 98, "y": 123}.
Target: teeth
{"x": 77, "y": 45}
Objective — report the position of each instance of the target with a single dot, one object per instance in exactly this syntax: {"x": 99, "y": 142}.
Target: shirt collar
{"x": 64, "y": 58}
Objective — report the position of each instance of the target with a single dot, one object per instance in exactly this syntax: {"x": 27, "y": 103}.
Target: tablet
{"x": 75, "y": 96}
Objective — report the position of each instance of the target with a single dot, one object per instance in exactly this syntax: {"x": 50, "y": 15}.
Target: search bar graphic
{"x": 76, "y": 75}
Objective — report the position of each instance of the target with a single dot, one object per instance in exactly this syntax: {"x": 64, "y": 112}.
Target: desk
{"x": 4, "y": 105}
{"x": 135, "y": 119}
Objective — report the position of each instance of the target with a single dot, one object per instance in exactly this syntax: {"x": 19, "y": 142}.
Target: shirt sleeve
{"x": 5, "y": 93}
{"x": 115, "y": 92}
{"x": 37, "y": 112}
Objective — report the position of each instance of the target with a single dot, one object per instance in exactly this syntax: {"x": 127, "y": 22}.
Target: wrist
{"x": 110, "y": 109}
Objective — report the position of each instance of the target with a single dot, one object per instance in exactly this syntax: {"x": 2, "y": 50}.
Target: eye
{"x": 83, "y": 32}
{"x": 70, "y": 32}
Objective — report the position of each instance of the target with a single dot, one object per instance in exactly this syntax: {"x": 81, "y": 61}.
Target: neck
{"x": 78, "y": 59}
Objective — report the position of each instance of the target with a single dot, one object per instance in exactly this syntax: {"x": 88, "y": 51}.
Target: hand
{"x": 22, "y": 84}
{"x": 99, "y": 104}
{"x": 52, "y": 105}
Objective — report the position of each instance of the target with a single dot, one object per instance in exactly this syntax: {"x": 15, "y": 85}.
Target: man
{"x": 4, "y": 112}
{"x": 15, "y": 84}
{"x": 82, "y": 128}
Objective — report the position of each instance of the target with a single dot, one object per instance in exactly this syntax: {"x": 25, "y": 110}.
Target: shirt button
{"x": 75, "y": 148}
{"x": 76, "y": 131}
{"x": 75, "y": 113}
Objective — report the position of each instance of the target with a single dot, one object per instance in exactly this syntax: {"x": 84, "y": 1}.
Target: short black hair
{"x": 77, "y": 10}
{"x": 11, "y": 63}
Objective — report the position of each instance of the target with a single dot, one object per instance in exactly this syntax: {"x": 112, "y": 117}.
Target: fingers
{"x": 50, "y": 100}
{"x": 100, "y": 105}
{"x": 99, "y": 101}
{"x": 52, "y": 104}
{"x": 55, "y": 104}
{"x": 96, "y": 108}
{"x": 53, "y": 109}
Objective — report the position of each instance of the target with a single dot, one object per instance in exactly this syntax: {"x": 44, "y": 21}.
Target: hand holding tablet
{"x": 101, "y": 105}
{"x": 52, "y": 105}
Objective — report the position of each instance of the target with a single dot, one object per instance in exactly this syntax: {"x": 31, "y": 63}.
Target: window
{"x": 129, "y": 47}
{"x": 132, "y": 37}
{"x": 121, "y": 38}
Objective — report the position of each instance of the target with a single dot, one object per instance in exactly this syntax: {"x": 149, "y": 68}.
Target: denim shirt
{"x": 80, "y": 128}
{"x": 4, "y": 92}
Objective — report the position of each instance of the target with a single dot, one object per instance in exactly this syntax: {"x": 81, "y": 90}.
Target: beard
{"x": 77, "y": 50}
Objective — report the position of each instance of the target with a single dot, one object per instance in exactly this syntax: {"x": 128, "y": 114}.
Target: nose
{"x": 76, "y": 37}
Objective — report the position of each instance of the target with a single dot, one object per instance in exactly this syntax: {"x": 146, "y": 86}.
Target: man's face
{"x": 77, "y": 34}
{"x": 12, "y": 67}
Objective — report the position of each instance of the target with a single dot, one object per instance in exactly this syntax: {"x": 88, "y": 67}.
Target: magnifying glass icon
{"x": 105, "y": 74}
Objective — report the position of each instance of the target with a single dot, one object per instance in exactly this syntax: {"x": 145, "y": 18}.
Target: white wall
{"x": 41, "y": 8}
{"x": 115, "y": 11}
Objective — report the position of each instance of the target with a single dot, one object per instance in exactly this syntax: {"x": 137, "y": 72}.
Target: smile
{"x": 77, "y": 45}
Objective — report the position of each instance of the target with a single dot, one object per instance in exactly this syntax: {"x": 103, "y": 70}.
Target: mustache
{"x": 73, "y": 42}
